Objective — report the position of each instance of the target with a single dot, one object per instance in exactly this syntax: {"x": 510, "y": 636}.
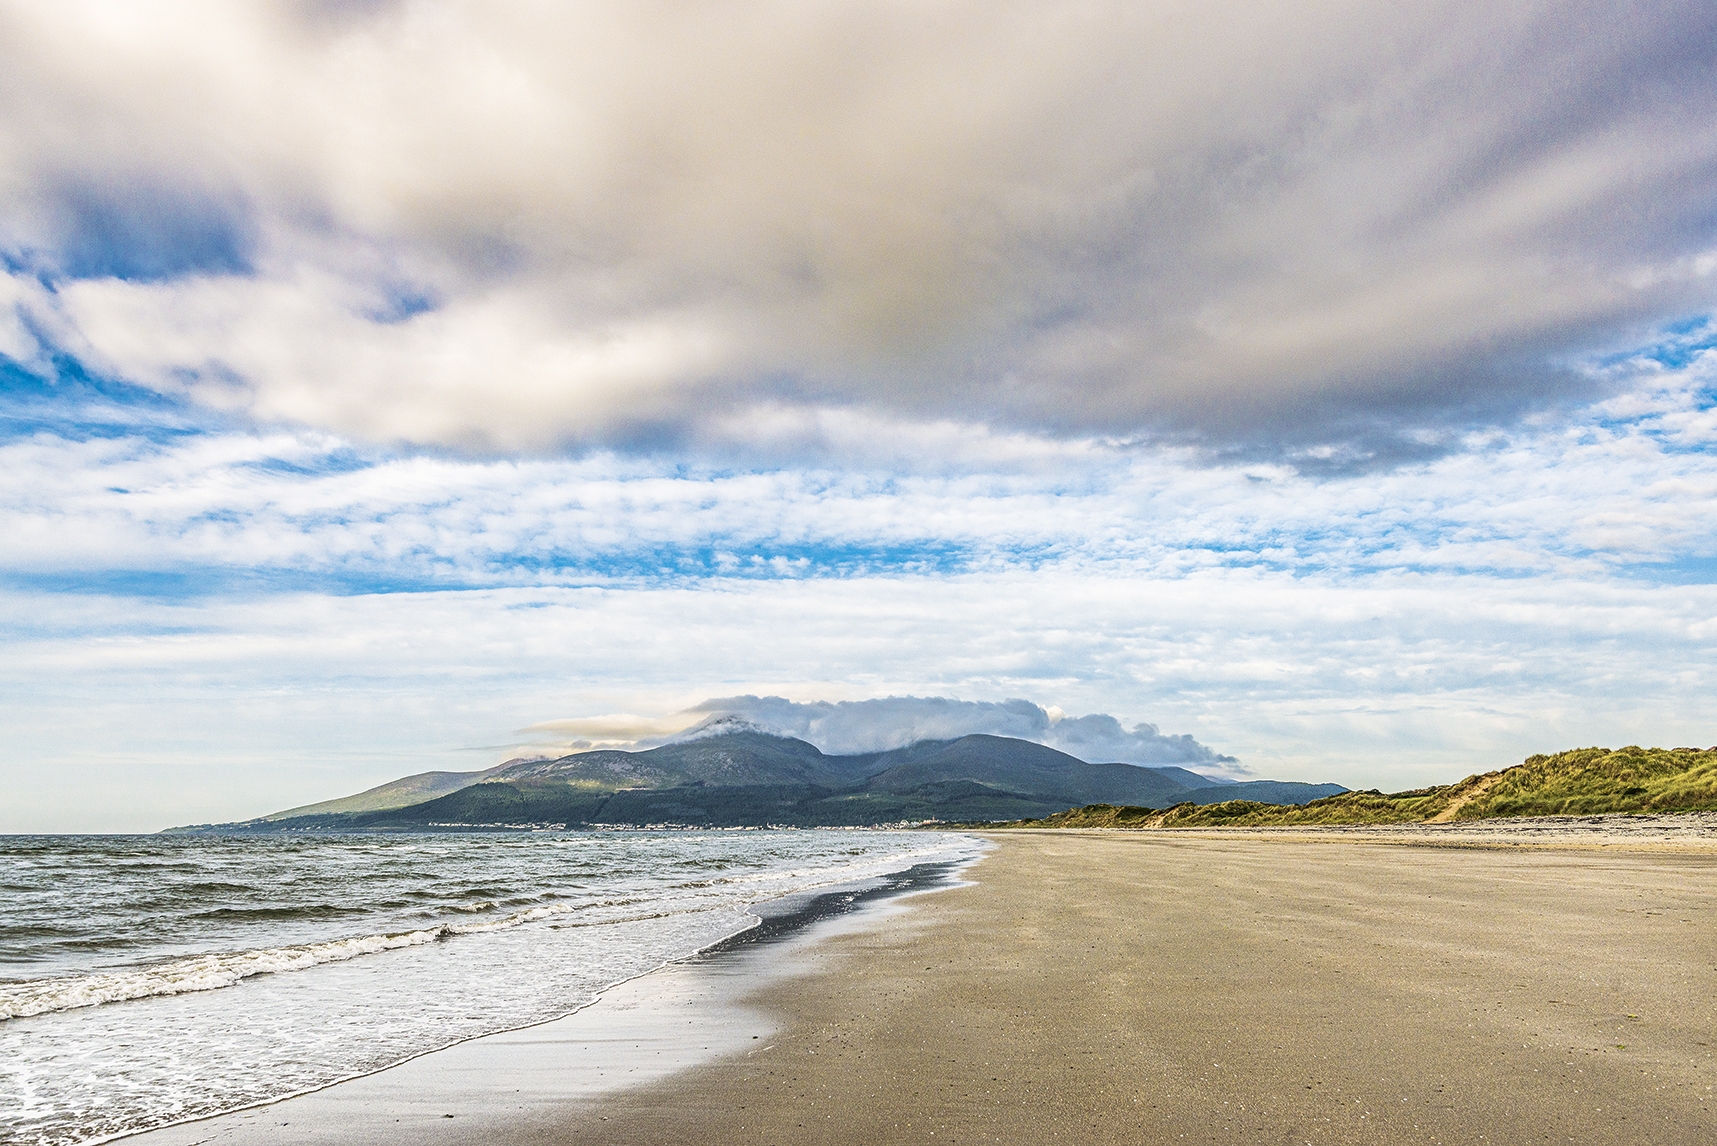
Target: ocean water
{"x": 146, "y": 980}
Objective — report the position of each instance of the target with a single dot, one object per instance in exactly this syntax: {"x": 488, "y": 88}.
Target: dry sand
{"x": 1685, "y": 832}
{"x": 1147, "y": 987}
{"x": 1132, "y": 987}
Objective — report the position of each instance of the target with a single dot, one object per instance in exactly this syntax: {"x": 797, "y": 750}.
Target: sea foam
{"x": 202, "y": 975}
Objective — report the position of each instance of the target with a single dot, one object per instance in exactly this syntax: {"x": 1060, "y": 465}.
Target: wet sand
{"x": 1148, "y": 987}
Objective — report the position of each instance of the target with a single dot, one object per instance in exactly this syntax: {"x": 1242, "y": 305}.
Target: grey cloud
{"x": 849, "y": 726}
{"x": 1262, "y": 226}
{"x": 1100, "y": 737}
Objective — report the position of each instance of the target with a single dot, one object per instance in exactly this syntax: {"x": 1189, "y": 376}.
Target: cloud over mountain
{"x": 518, "y": 228}
{"x": 849, "y": 726}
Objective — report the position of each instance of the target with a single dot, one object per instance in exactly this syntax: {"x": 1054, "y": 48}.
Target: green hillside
{"x": 1581, "y": 782}
{"x": 399, "y": 793}
{"x": 743, "y": 757}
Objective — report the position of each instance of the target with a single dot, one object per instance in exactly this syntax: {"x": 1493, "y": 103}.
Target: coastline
{"x": 1145, "y": 987}
{"x": 638, "y": 1029}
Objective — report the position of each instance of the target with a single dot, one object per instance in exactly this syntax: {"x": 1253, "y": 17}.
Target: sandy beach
{"x": 1141, "y": 987}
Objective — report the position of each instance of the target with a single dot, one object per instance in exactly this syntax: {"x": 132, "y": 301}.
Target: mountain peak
{"x": 726, "y": 724}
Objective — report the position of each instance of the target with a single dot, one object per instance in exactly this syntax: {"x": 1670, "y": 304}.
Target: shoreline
{"x": 1090, "y": 986}
{"x": 706, "y": 982}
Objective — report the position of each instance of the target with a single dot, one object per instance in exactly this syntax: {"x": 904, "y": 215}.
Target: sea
{"x": 148, "y": 980}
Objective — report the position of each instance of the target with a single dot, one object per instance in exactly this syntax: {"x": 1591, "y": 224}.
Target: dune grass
{"x": 1590, "y": 781}
{"x": 1580, "y": 782}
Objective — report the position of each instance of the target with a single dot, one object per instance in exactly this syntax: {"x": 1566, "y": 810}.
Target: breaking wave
{"x": 212, "y": 972}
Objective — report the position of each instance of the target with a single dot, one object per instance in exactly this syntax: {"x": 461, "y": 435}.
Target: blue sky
{"x": 1361, "y": 430}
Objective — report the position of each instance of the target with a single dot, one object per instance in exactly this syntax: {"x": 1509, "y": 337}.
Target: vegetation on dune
{"x": 1589, "y": 781}
{"x": 1581, "y": 782}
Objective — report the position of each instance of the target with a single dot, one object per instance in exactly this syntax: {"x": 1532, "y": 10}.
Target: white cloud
{"x": 1627, "y": 484}
{"x": 882, "y": 723}
{"x": 512, "y": 228}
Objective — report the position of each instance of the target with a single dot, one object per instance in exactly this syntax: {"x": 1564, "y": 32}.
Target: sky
{"x": 1322, "y": 391}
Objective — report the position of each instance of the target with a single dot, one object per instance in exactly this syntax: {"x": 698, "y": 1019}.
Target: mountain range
{"x": 731, "y": 774}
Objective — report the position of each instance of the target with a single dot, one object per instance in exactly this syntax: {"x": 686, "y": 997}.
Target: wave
{"x": 273, "y": 914}
{"x": 215, "y": 971}
{"x": 212, "y": 972}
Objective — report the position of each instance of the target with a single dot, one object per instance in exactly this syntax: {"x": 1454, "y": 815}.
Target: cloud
{"x": 1624, "y": 487}
{"x": 615, "y": 730}
{"x": 853, "y": 726}
{"x": 1277, "y": 226}
{"x": 1099, "y": 737}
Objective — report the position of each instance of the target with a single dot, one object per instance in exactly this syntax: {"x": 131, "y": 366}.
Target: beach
{"x": 1136, "y": 987}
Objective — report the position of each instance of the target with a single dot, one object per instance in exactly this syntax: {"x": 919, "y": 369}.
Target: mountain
{"x": 1019, "y": 766}
{"x": 732, "y": 775}
{"x": 399, "y": 793}
{"x": 1195, "y": 779}
{"x": 731, "y": 758}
